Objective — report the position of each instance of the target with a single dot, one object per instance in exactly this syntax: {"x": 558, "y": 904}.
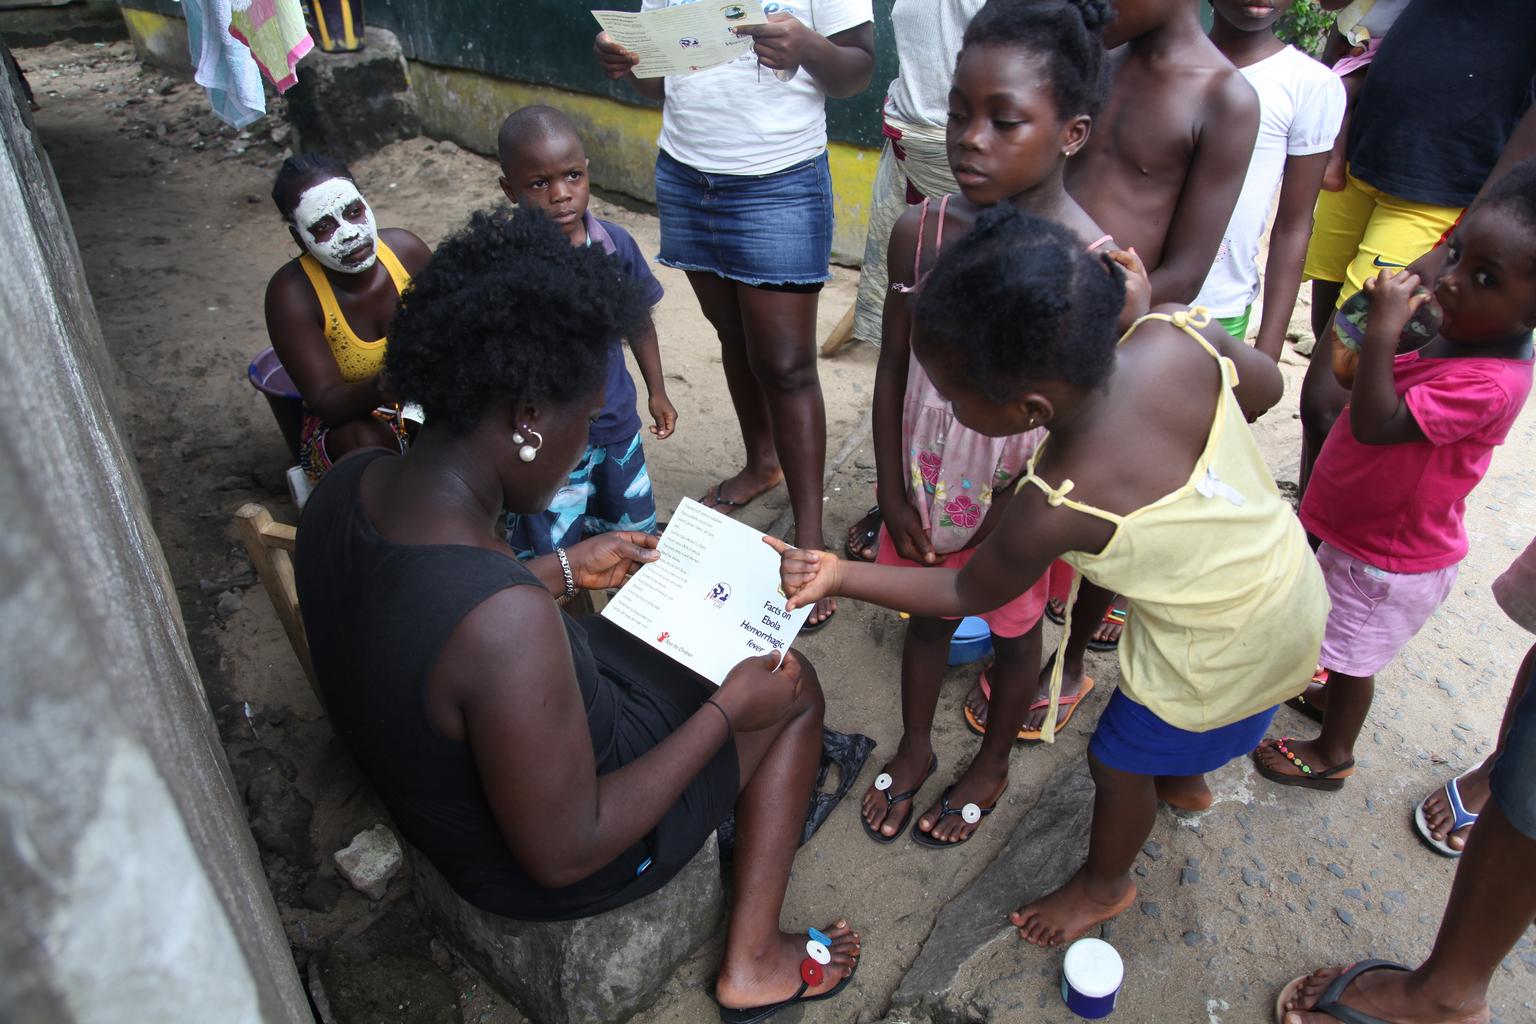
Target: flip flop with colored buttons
{"x": 818, "y": 954}
{"x": 1309, "y": 777}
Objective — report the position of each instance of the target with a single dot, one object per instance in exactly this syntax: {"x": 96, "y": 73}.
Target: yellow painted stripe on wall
{"x": 468, "y": 107}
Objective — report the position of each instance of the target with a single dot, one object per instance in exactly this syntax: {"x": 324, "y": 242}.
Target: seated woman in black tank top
{"x": 550, "y": 768}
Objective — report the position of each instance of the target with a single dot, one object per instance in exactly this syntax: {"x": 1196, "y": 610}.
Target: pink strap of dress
{"x": 917, "y": 256}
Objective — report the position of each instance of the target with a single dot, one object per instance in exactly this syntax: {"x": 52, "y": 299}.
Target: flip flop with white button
{"x": 883, "y": 786}
{"x": 970, "y": 813}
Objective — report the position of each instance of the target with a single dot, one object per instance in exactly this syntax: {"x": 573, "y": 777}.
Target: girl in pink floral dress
{"x": 1026, "y": 84}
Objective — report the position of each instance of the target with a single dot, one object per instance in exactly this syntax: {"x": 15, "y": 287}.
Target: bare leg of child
{"x": 768, "y": 350}
{"x": 718, "y": 299}
{"x": 1071, "y": 686}
{"x": 924, "y": 657}
{"x": 1124, "y": 808}
{"x": 1473, "y": 786}
{"x": 1322, "y": 397}
{"x": 1349, "y": 701}
{"x": 781, "y": 352}
{"x": 1013, "y": 675}
{"x": 1184, "y": 792}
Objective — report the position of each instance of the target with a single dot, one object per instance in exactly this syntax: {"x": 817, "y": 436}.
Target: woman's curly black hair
{"x": 1018, "y": 300}
{"x": 1068, "y": 34}
{"x": 299, "y": 171}
{"x": 507, "y": 311}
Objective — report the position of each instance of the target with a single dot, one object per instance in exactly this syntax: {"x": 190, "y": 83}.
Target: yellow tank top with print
{"x": 357, "y": 359}
{"x": 1227, "y": 601}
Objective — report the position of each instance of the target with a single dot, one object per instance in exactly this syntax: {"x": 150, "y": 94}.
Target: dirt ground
{"x": 178, "y": 237}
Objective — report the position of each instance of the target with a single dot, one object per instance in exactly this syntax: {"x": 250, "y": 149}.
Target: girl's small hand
{"x": 608, "y": 560}
{"x": 615, "y": 60}
{"x": 1138, "y": 286}
{"x": 905, "y": 527}
{"x": 1393, "y": 304}
{"x": 807, "y": 576}
{"x": 780, "y": 44}
{"x": 664, "y": 415}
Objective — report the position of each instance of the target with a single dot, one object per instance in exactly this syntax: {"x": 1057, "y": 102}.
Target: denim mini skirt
{"x": 769, "y": 229}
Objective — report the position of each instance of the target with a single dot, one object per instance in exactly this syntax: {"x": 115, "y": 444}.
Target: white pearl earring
{"x": 529, "y": 452}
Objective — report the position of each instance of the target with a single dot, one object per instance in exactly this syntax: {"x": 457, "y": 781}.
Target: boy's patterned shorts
{"x": 610, "y": 489}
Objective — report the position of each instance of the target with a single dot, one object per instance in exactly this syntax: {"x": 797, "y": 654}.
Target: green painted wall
{"x": 549, "y": 42}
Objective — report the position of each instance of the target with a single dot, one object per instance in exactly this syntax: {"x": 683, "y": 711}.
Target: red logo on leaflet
{"x": 661, "y": 638}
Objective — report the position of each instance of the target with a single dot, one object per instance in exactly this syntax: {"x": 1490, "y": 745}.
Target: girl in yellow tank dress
{"x": 1150, "y": 484}
{"x": 328, "y": 309}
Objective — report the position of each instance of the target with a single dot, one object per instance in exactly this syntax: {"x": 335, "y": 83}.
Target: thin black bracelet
{"x": 729, "y": 729}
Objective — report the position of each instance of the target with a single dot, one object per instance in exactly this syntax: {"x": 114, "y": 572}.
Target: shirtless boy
{"x": 1161, "y": 173}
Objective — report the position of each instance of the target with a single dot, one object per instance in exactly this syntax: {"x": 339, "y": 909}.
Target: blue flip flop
{"x": 1463, "y": 818}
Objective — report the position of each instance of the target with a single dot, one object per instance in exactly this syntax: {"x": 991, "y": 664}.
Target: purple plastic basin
{"x": 267, "y": 375}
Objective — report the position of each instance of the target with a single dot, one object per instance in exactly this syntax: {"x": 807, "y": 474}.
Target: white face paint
{"x": 346, "y": 244}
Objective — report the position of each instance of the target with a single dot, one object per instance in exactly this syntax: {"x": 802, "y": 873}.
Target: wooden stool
{"x": 269, "y": 545}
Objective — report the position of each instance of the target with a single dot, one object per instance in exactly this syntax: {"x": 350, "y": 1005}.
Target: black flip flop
{"x": 1060, "y": 618}
{"x": 926, "y": 838}
{"x": 756, "y": 1014}
{"x": 1329, "y": 1003}
{"x": 890, "y": 801}
{"x": 868, "y": 537}
{"x": 1326, "y": 779}
{"x": 816, "y": 627}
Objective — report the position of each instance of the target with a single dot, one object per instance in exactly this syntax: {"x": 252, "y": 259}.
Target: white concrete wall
{"x": 130, "y": 888}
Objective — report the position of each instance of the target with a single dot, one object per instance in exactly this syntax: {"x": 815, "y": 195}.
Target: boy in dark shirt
{"x": 544, "y": 166}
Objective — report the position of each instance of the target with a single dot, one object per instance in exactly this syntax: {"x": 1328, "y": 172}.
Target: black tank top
{"x": 377, "y": 615}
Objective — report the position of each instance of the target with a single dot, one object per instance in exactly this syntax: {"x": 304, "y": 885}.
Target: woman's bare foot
{"x": 1069, "y": 912}
{"x": 1185, "y": 792}
{"x": 741, "y": 490}
{"x": 1438, "y": 815}
{"x": 773, "y": 975}
{"x": 978, "y": 785}
{"x": 1386, "y": 994}
{"x": 907, "y": 770}
{"x": 1071, "y": 686}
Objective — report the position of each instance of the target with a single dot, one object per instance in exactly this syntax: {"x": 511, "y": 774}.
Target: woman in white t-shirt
{"x": 1301, "y": 104}
{"x": 745, "y": 200}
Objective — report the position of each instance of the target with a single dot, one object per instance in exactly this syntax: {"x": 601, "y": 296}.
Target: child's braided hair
{"x": 1019, "y": 300}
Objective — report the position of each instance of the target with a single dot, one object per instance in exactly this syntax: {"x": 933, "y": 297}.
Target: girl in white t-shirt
{"x": 745, "y": 200}
{"x": 1301, "y": 104}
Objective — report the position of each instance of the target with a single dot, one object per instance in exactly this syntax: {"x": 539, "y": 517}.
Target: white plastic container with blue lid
{"x": 1091, "y": 976}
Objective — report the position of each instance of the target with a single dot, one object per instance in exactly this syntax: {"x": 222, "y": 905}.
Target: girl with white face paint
{"x": 335, "y": 225}
{"x": 328, "y": 309}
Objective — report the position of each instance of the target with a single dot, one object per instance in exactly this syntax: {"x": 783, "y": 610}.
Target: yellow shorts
{"x": 1361, "y": 230}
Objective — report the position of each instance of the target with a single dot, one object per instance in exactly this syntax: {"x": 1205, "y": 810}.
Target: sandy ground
{"x": 179, "y": 238}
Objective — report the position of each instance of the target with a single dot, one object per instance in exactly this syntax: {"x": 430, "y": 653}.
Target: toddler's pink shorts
{"x": 1375, "y": 613}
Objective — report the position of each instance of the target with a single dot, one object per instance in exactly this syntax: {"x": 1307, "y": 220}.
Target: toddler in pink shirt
{"x": 1388, "y": 493}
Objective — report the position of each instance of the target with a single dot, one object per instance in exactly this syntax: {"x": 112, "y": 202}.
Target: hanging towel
{"x": 275, "y": 32}
{"x": 224, "y": 65}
